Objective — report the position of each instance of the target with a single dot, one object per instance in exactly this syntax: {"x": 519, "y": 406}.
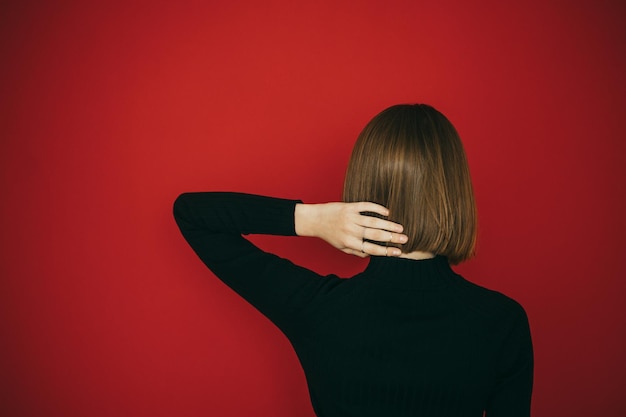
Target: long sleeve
{"x": 213, "y": 224}
{"x": 404, "y": 337}
{"x": 512, "y": 393}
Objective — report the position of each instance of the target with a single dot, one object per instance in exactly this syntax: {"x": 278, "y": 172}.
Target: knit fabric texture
{"x": 402, "y": 338}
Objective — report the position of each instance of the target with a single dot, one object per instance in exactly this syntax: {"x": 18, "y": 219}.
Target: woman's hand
{"x": 344, "y": 227}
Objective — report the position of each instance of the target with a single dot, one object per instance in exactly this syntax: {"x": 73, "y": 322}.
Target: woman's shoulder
{"x": 490, "y": 301}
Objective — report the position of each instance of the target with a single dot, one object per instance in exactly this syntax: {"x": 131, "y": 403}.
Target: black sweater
{"x": 402, "y": 338}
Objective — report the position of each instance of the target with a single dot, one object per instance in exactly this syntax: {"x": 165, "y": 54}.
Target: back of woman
{"x": 407, "y": 336}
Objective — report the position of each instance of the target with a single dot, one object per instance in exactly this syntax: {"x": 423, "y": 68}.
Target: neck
{"x": 418, "y": 255}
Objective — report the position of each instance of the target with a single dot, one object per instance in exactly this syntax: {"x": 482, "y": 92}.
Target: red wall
{"x": 108, "y": 112}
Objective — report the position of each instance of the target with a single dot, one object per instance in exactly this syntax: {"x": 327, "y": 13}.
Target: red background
{"x": 109, "y": 111}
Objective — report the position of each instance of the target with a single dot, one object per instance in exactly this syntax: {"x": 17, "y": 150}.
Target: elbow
{"x": 180, "y": 207}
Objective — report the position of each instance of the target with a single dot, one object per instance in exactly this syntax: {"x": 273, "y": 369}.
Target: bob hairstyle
{"x": 410, "y": 159}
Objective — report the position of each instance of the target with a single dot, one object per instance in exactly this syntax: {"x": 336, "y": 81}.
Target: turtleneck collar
{"x": 405, "y": 273}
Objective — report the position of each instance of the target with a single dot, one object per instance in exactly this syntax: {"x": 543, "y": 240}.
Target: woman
{"x": 407, "y": 336}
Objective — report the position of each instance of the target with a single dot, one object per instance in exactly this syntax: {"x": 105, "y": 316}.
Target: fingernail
{"x": 396, "y": 252}
{"x": 403, "y": 238}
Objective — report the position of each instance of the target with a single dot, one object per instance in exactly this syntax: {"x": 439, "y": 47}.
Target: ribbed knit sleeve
{"x": 213, "y": 224}
{"x": 512, "y": 394}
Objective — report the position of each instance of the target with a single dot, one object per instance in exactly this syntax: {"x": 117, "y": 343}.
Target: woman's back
{"x": 411, "y": 338}
{"x": 405, "y": 337}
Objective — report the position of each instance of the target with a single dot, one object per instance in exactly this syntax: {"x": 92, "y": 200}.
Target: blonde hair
{"x": 410, "y": 159}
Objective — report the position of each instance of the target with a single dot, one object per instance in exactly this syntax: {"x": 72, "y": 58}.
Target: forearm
{"x": 236, "y": 213}
{"x": 213, "y": 224}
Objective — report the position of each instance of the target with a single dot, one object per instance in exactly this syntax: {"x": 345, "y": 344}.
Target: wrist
{"x": 304, "y": 219}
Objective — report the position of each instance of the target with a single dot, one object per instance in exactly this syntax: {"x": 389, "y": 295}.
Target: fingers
{"x": 374, "y": 242}
{"x": 371, "y": 207}
{"x": 374, "y": 250}
{"x": 367, "y": 230}
{"x": 370, "y": 248}
{"x": 356, "y": 253}
{"x": 384, "y": 236}
{"x": 376, "y": 223}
